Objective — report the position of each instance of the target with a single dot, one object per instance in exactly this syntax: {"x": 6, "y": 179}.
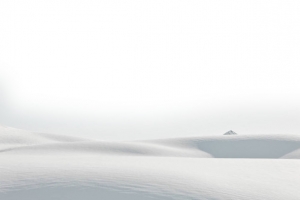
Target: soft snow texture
{"x": 44, "y": 166}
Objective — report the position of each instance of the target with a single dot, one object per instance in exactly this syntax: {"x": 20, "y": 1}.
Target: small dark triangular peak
{"x": 230, "y": 133}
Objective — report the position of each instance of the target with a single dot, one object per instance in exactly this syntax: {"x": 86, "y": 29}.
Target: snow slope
{"x": 44, "y": 166}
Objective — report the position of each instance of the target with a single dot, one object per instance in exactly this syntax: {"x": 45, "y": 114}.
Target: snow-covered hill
{"x": 14, "y": 141}
{"x": 45, "y": 166}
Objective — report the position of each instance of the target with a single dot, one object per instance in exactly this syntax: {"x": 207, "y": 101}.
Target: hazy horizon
{"x": 117, "y": 70}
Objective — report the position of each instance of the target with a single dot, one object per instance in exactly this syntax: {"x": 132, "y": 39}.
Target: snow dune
{"x": 46, "y": 166}
{"x": 11, "y": 137}
{"x": 14, "y": 141}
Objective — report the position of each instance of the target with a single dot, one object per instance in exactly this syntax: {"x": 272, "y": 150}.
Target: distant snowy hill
{"x": 230, "y": 133}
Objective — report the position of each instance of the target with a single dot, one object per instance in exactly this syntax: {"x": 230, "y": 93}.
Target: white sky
{"x": 152, "y": 68}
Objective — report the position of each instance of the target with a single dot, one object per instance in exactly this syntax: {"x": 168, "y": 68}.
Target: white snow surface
{"x": 230, "y": 167}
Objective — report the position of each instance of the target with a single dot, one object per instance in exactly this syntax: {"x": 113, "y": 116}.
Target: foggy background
{"x": 123, "y": 70}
